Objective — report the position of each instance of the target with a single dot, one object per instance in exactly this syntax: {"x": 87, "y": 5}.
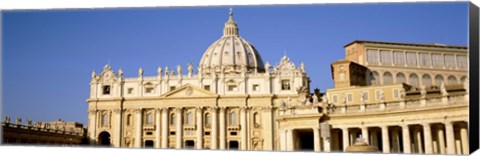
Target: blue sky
{"x": 48, "y": 55}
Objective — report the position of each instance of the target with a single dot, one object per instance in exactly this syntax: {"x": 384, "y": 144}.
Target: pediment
{"x": 189, "y": 91}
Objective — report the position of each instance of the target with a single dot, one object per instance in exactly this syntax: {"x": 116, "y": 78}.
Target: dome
{"x": 231, "y": 53}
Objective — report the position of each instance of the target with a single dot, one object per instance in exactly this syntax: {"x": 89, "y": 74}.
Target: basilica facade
{"x": 396, "y": 97}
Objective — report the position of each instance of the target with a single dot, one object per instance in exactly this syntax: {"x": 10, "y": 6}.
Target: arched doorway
{"x": 104, "y": 138}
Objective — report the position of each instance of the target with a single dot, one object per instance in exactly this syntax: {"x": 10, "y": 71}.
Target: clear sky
{"x": 49, "y": 55}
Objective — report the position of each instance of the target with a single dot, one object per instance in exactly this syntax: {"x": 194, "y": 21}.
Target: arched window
{"x": 189, "y": 118}
{"x": 426, "y": 80}
{"x": 256, "y": 119}
{"x": 452, "y": 80}
{"x": 413, "y": 80}
{"x": 463, "y": 79}
{"x": 373, "y": 78}
{"x": 149, "y": 119}
{"x": 172, "y": 119}
{"x": 387, "y": 78}
{"x": 438, "y": 80}
{"x": 208, "y": 120}
{"x": 104, "y": 120}
{"x": 233, "y": 118}
{"x": 400, "y": 78}
{"x": 129, "y": 119}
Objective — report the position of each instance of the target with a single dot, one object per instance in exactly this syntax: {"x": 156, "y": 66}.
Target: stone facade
{"x": 235, "y": 101}
{"x": 51, "y": 133}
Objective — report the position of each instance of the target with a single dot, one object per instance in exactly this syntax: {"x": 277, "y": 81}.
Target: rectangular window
{"x": 206, "y": 87}
{"x": 386, "y": 56}
{"x": 365, "y": 96}
{"x": 411, "y": 59}
{"x": 449, "y": 60}
{"x": 399, "y": 57}
{"x": 172, "y": 88}
{"x": 424, "y": 59}
{"x": 106, "y": 90}
{"x": 462, "y": 61}
{"x": 232, "y": 87}
{"x": 285, "y": 84}
{"x": 396, "y": 94}
{"x": 256, "y": 87}
{"x": 372, "y": 56}
{"x": 349, "y": 98}
{"x": 149, "y": 90}
{"x": 437, "y": 60}
{"x": 130, "y": 91}
{"x": 334, "y": 99}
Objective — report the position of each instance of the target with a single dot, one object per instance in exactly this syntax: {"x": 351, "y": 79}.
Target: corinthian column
{"x": 464, "y": 138}
{"x": 199, "y": 143}
{"x": 385, "y": 140}
{"x": 267, "y": 128}
{"x": 406, "y": 139}
{"x": 316, "y": 139}
{"x": 243, "y": 127}
{"x": 165, "y": 128}
{"x": 222, "y": 128}
{"x": 346, "y": 140}
{"x": 92, "y": 125}
{"x": 179, "y": 131}
{"x": 158, "y": 127}
{"x": 214, "y": 128}
{"x": 118, "y": 127}
{"x": 450, "y": 138}
{"x": 427, "y": 133}
{"x": 138, "y": 128}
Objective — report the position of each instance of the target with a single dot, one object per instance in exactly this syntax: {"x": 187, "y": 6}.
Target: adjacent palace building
{"x": 397, "y": 97}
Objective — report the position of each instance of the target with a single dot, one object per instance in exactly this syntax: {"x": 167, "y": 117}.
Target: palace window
{"x": 387, "y": 78}
{"x": 399, "y": 57}
{"x": 411, "y": 59}
{"x": 149, "y": 119}
{"x": 365, "y": 96}
{"x": 172, "y": 88}
{"x": 396, "y": 94}
{"x": 452, "y": 80}
{"x": 285, "y": 84}
{"x": 149, "y": 90}
{"x": 190, "y": 118}
{"x": 424, "y": 59}
{"x": 385, "y": 56}
{"x": 449, "y": 60}
{"x": 401, "y": 78}
{"x": 426, "y": 80}
{"x": 206, "y": 87}
{"x": 438, "y": 80}
{"x": 349, "y": 98}
{"x": 372, "y": 56}
{"x": 413, "y": 80}
{"x": 256, "y": 87}
{"x": 232, "y": 87}
{"x": 462, "y": 61}
{"x": 232, "y": 118}
{"x": 130, "y": 91}
{"x": 335, "y": 99}
{"x": 437, "y": 60}
{"x": 106, "y": 90}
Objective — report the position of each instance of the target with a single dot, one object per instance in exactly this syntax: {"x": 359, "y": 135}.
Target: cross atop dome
{"x": 231, "y": 28}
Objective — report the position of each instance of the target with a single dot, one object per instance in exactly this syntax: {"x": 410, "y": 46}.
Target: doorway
{"x": 233, "y": 145}
{"x": 104, "y": 138}
{"x": 189, "y": 144}
{"x": 149, "y": 144}
{"x": 304, "y": 140}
